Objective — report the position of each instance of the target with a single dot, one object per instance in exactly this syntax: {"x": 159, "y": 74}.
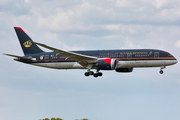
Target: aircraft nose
{"x": 175, "y": 60}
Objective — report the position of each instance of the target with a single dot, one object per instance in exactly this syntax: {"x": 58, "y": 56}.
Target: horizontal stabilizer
{"x": 18, "y": 57}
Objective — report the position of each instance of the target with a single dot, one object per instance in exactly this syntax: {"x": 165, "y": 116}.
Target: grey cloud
{"x": 15, "y": 7}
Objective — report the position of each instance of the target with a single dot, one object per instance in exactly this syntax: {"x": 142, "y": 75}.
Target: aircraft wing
{"x": 19, "y": 57}
{"x": 83, "y": 60}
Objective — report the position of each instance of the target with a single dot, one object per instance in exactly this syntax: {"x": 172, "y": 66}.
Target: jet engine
{"x": 106, "y": 64}
{"x": 124, "y": 70}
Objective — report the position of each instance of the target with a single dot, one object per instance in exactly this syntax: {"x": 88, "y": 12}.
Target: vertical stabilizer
{"x": 27, "y": 45}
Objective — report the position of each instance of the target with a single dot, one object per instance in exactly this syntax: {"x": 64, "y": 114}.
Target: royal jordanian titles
{"x": 122, "y": 61}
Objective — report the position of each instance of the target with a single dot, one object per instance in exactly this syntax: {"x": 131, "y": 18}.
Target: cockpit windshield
{"x": 169, "y": 55}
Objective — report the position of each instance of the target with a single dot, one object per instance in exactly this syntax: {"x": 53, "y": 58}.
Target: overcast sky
{"x": 31, "y": 93}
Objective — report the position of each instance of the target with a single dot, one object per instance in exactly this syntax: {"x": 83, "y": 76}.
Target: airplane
{"x": 122, "y": 60}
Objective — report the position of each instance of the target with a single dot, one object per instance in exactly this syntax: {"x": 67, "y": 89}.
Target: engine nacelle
{"x": 124, "y": 70}
{"x": 106, "y": 64}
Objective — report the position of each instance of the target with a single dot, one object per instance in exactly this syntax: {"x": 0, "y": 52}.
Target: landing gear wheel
{"x": 86, "y": 73}
{"x": 95, "y": 75}
{"x": 91, "y": 73}
{"x": 161, "y": 72}
{"x": 99, "y": 74}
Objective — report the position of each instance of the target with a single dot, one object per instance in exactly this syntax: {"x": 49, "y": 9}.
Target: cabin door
{"x": 156, "y": 55}
{"x": 46, "y": 58}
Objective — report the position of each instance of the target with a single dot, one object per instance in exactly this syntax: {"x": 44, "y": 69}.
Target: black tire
{"x": 91, "y": 73}
{"x": 161, "y": 72}
{"x": 100, "y": 74}
{"x": 95, "y": 75}
{"x": 86, "y": 73}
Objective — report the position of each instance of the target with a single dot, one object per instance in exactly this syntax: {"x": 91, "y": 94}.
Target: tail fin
{"x": 26, "y": 42}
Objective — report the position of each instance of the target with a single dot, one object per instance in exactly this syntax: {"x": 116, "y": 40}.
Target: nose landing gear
{"x": 161, "y": 71}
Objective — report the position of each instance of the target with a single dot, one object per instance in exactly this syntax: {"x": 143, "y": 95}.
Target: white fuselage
{"x": 120, "y": 64}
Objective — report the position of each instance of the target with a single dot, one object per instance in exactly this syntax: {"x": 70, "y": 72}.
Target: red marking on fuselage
{"x": 20, "y": 29}
{"x": 108, "y": 60}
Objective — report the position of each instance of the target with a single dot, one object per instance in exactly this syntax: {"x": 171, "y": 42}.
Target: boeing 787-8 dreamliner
{"x": 118, "y": 60}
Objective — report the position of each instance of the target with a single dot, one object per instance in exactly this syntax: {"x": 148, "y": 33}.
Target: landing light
{"x": 15, "y": 58}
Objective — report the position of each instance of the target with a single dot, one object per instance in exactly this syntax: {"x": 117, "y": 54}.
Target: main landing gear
{"x": 92, "y": 73}
{"x": 161, "y": 71}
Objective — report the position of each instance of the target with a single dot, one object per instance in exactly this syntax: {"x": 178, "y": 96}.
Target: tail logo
{"x": 27, "y": 44}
